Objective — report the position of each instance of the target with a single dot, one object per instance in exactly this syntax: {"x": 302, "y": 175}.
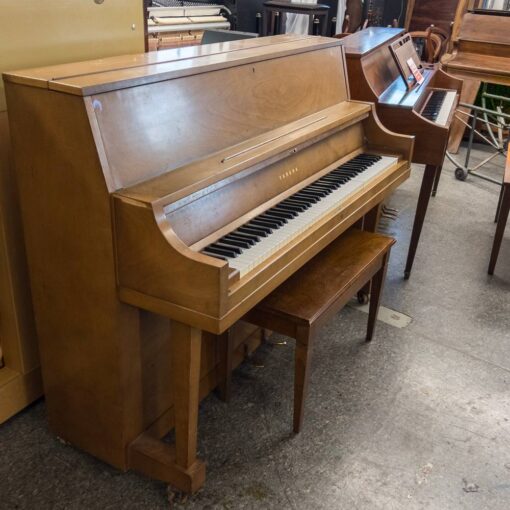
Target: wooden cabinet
{"x": 32, "y": 35}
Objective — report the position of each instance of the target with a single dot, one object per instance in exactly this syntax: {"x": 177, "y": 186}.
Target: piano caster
{"x": 461, "y": 174}
{"x": 363, "y": 298}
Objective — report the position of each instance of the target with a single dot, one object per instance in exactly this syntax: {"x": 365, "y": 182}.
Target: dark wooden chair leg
{"x": 436, "y": 180}
{"x": 226, "y": 354}
{"x": 500, "y": 228}
{"x": 375, "y": 298}
{"x": 421, "y": 211}
{"x": 301, "y": 375}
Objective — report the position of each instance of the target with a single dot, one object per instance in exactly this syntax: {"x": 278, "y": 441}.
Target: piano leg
{"x": 226, "y": 363}
{"x": 436, "y": 180}
{"x": 186, "y": 345}
{"x": 504, "y": 210}
{"x": 177, "y": 464}
{"x": 427, "y": 184}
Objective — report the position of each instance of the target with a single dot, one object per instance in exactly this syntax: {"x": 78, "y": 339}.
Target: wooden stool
{"x": 501, "y": 217}
{"x": 317, "y": 292}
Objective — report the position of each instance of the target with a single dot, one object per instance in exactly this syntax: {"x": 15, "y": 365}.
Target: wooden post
{"x": 186, "y": 343}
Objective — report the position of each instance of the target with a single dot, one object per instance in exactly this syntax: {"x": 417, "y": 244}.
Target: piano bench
{"x": 313, "y": 295}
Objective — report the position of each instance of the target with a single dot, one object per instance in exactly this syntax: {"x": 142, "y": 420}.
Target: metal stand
{"x": 490, "y": 118}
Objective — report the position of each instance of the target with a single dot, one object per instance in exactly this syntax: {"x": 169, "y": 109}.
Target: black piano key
{"x": 222, "y": 245}
{"x": 242, "y": 237}
{"x": 320, "y": 187}
{"x": 292, "y": 207}
{"x": 252, "y": 230}
{"x": 281, "y": 208}
{"x": 221, "y": 251}
{"x": 281, "y": 213}
{"x": 336, "y": 181}
{"x": 263, "y": 228}
{"x": 246, "y": 233}
{"x": 331, "y": 185}
{"x": 236, "y": 242}
{"x": 279, "y": 221}
{"x": 215, "y": 255}
{"x": 263, "y": 223}
{"x": 357, "y": 168}
{"x": 306, "y": 196}
{"x": 294, "y": 200}
{"x": 312, "y": 193}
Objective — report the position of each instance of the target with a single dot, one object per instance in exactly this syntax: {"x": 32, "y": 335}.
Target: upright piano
{"x": 425, "y": 110}
{"x": 163, "y": 196}
{"x": 482, "y": 51}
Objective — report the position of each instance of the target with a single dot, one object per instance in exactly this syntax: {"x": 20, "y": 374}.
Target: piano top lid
{"x": 114, "y": 73}
{"x": 362, "y": 43}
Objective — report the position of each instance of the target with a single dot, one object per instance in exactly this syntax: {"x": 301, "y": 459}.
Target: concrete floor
{"x": 419, "y": 419}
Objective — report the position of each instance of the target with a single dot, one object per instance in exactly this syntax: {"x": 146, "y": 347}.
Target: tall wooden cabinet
{"x": 32, "y": 34}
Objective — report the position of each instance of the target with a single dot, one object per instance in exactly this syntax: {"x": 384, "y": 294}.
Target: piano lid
{"x": 361, "y": 43}
{"x": 98, "y": 76}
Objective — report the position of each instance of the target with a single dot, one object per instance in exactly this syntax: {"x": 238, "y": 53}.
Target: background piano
{"x": 482, "y": 51}
{"x": 135, "y": 167}
{"x": 425, "y": 111}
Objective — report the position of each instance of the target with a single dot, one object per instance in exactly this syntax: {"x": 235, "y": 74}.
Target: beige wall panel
{"x": 36, "y": 33}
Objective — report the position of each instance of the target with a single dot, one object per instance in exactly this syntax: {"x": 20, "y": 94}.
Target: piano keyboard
{"x": 439, "y": 105}
{"x": 258, "y": 239}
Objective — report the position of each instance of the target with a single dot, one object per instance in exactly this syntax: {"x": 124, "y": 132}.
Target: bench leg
{"x": 226, "y": 354}
{"x": 375, "y": 298}
{"x": 500, "y": 228}
{"x": 301, "y": 372}
{"x": 370, "y": 224}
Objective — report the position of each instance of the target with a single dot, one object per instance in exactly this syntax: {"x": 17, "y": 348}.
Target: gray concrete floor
{"x": 419, "y": 419}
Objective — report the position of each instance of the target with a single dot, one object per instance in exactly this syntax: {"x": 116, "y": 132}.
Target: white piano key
{"x": 446, "y": 106}
{"x": 267, "y": 246}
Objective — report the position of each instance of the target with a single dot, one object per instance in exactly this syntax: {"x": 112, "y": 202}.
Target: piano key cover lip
{"x": 214, "y": 175}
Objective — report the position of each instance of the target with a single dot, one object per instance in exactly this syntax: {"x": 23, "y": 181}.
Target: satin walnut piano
{"x": 163, "y": 196}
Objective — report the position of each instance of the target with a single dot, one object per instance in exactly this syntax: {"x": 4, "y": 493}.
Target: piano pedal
{"x": 389, "y": 212}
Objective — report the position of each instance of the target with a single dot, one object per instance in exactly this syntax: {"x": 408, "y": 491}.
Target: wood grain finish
{"x": 57, "y": 33}
{"x": 20, "y": 376}
{"x": 482, "y": 49}
{"x": 113, "y": 219}
{"x": 423, "y": 13}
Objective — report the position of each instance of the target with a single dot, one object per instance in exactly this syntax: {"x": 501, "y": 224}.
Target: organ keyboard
{"x": 426, "y": 110}
{"x": 183, "y": 185}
